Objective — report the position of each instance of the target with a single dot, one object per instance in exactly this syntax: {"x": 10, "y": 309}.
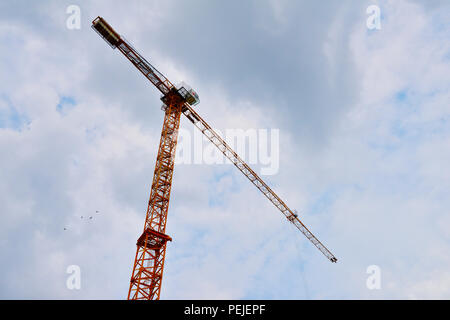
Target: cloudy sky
{"x": 364, "y": 145}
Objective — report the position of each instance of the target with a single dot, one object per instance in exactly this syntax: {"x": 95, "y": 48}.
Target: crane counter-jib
{"x": 114, "y": 40}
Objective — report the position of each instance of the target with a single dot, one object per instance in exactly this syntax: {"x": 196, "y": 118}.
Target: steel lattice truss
{"x": 254, "y": 178}
{"x": 147, "y": 273}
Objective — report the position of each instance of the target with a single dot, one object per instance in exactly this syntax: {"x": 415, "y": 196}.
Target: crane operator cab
{"x": 185, "y": 92}
{"x": 189, "y": 95}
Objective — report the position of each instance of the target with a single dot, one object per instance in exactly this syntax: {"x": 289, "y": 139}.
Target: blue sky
{"x": 364, "y": 148}
{"x": 10, "y": 117}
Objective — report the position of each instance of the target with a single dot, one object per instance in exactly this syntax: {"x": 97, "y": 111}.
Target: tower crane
{"x": 145, "y": 283}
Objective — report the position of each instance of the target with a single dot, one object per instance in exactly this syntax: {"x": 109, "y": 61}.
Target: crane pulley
{"x": 148, "y": 266}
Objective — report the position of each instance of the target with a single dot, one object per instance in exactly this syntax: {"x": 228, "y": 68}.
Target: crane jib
{"x": 254, "y": 178}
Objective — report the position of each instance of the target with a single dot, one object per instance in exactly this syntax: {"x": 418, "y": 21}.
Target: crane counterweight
{"x": 106, "y": 32}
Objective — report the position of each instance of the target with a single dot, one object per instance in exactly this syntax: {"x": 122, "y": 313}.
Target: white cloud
{"x": 365, "y": 165}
